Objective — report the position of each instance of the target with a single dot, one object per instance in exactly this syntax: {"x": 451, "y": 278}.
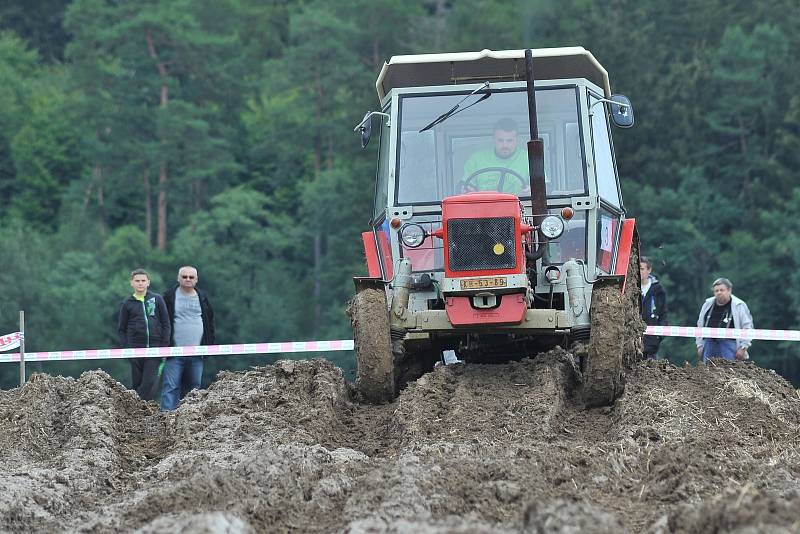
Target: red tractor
{"x": 498, "y": 229}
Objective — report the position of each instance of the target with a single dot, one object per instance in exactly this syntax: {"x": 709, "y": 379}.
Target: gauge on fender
{"x": 552, "y": 226}
{"x": 412, "y": 235}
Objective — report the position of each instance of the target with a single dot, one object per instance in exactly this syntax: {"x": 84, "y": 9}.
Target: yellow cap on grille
{"x": 498, "y": 248}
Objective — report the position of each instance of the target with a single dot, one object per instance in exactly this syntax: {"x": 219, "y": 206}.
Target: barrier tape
{"x": 338, "y": 344}
{"x": 723, "y": 333}
{"x": 10, "y": 341}
{"x": 202, "y": 350}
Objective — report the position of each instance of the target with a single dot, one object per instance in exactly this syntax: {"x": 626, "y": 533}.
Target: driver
{"x": 507, "y": 155}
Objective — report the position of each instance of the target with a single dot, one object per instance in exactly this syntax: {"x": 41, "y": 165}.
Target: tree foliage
{"x": 219, "y": 133}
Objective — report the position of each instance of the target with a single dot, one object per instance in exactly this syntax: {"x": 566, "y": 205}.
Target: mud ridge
{"x": 466, "y": 448}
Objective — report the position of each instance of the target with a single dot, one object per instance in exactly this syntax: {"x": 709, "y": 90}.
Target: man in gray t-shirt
{"x": 188, "y": 319}
{"x": 192, "y": 324}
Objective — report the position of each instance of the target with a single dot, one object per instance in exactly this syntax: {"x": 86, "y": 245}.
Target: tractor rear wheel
{"x": 375, "y": 380}
{"x": 615, "y": 341}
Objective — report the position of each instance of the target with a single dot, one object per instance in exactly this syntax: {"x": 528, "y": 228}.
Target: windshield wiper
{"x": 458, "y": 109}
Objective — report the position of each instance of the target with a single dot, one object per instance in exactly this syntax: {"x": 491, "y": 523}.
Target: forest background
{"x": 218, "y": 133}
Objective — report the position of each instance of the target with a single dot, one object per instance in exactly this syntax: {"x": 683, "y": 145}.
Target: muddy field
{"x": 467, "y": 448}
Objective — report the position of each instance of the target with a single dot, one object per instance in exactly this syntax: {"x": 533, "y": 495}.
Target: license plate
{"x": 480, "y": 283}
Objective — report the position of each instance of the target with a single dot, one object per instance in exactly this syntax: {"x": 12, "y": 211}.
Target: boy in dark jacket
{"x": 654, "y": 306}
{"x": 143, "y": 323}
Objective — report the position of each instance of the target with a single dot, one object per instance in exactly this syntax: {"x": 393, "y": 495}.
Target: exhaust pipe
{"x": 401, "y": 288}
{"x": 535, "y": 162}
{"x": 576, "y": 290}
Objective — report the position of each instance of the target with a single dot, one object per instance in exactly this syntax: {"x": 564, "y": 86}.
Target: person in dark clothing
{"x": 143, "y": 323}
{"x": 192, "y": 321}
{"x": 654, "y": 306}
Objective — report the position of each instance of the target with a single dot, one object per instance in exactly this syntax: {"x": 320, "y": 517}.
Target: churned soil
{"x": 466, "y": 448}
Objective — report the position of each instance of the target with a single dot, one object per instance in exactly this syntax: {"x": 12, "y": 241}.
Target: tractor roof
{"x": 487, "y": 65}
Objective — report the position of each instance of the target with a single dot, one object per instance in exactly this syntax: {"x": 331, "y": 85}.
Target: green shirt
{"x": 489, "y": 181}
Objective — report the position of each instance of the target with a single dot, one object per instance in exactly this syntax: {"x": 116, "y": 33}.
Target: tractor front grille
{"x": 481, "y": 244}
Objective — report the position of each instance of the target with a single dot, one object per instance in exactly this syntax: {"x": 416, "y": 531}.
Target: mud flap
{"x": 369, "y": 317}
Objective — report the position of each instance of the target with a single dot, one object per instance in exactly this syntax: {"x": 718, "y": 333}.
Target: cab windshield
{"x": 484, "y": 147}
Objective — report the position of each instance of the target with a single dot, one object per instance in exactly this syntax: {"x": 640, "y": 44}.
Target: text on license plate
{"x": 480, "y": 283}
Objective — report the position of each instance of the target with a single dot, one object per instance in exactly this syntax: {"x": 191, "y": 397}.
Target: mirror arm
{"x": 622, "y": 107}
{"x": 369, "y": 117}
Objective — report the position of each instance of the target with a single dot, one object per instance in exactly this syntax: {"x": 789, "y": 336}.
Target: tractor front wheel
{"x": 615, "y": 342}
{"x": 369, "y": 316}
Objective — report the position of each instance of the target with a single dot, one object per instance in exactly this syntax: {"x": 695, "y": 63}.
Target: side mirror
{"x": 366, "y": 129}
{"x": 621, "y": 111}
{"x": 365, "y": 126}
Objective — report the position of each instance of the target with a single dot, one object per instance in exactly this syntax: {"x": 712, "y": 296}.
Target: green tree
{"x": 38, "y": 23}
{"x": 244, "y": 256}
{"x": 45, "y": 152}
{"x": 218, "y": 133}
{"x": 153, "y": 106}
{"x": 38, "y": 150}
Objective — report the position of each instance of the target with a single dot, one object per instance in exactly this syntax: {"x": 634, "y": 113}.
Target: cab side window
{"x": 603, "y": 154}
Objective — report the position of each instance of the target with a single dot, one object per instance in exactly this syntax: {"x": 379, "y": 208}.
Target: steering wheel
{"x": 468, "y": 183}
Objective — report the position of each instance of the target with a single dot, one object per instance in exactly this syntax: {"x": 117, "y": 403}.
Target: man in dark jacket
{"x": 143, "y": 323}
{"x": 192, "y": 321}
{"x": 654, "y": 306}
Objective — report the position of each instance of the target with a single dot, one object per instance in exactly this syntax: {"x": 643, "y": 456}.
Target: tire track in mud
{"x": 487, "y": 403}
{"x": 461, "y": 428}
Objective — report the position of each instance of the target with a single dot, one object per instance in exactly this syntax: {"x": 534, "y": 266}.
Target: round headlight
{"x": 552, "y": 226}
{"x": 412, "y": 235}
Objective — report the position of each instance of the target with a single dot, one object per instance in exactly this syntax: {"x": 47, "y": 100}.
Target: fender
{"x": 371, "y": 254}
{"x": 628, "y": 235}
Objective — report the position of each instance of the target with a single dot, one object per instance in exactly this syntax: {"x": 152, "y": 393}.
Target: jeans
{"x": 181, "y": 375}
{"x": 719, "y": 348}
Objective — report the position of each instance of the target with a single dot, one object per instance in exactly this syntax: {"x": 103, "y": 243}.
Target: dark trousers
{"x": 650, "y": 349}
{"x": 144, "y": 377}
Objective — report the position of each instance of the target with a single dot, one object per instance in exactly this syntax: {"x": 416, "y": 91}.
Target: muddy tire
{"x": 633, "y": 346}
{"x": 616, "y": 336}
{"x": 375, "y": 380}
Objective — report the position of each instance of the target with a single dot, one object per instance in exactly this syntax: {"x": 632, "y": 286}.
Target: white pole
{"x": 22, "y": 348}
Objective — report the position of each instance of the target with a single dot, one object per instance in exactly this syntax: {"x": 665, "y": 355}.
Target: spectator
{"x": 143, "y": 322}
{"x": 503, "y": 167}
{"x": 192, "y": 321}
{"x": 724, "y": 310}
{"x": 654, "y": 306}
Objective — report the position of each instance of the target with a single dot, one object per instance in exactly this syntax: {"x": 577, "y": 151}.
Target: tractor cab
{"x": 475, "y": 252}
{"x": 469, "y": 150}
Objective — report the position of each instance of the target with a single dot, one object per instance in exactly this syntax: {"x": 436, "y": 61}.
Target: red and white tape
{"x": 723, "y": 333}
{"x": 165, "y": 352}
{"x": 336, "y": 345}
{"x": 10, "y": 341}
